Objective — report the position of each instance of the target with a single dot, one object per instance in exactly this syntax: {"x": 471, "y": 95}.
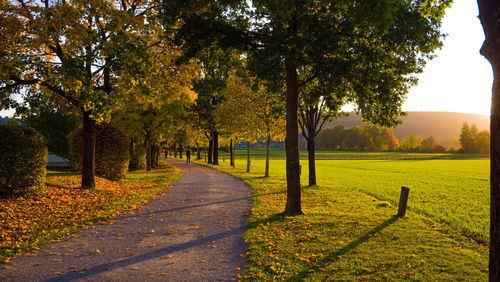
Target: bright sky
{"x": 459, "y": 79}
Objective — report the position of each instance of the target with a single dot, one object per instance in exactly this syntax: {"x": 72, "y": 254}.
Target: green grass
{"x": 451, "y": 191}
{"x": 450, "y": 188}
{"x": 346, "y": 155}
{"x": 349, "y": 231}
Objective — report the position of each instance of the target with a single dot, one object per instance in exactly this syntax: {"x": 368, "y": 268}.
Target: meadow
{"x": 350, "y": 231}
{"x": 450, "y": 188}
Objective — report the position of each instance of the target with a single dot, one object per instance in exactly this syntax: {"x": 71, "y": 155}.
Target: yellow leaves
{"x": 59, "y": 209}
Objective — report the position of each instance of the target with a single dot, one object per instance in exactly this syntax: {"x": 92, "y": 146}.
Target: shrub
{"x": 23, "y": 158}
{"x": 111, "y": 151}
{"x": 137, "y": 158}
{"x": 440, "y": 149}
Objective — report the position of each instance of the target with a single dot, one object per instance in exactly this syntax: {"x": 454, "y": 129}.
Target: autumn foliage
{"x": 112, "y": 151}
{"x": 62, "y": 207}
{"x": 23, "y": 157}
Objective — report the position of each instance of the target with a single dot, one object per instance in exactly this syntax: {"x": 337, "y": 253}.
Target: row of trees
{"x": 91, "y": 62}
{"x": 165, "y": 71}
{"x": 367, "y": 138}
{"x": 373, "y": 138}
{"x": 474, "y": 141}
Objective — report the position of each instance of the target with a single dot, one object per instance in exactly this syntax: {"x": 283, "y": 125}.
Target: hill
{"x": 445, "y": 126}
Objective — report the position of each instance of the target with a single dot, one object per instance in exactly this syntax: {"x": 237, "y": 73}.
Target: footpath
{"x": 191, "y": 232}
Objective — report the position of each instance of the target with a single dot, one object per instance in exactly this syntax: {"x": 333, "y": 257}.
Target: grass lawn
{"x": 63, "y": 207}
{"x": 347, "y": 155}
{"x": 347, "y": 233}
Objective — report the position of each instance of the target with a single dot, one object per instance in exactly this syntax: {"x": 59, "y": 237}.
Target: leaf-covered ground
{"x": 63, "y": 207}
{"x": 347, "y": 234}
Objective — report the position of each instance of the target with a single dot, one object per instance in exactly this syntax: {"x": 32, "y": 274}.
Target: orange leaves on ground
{"x": 26, "y": 222}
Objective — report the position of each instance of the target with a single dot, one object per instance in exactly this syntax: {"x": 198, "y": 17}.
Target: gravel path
{"x": 192, "y": 232}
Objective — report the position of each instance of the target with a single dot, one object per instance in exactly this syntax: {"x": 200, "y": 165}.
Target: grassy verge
{"x": 63, "y": 207}
{"x": 348, "y": 235}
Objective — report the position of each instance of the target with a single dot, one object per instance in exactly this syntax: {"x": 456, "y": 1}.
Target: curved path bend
{"x": 191, "y": 232}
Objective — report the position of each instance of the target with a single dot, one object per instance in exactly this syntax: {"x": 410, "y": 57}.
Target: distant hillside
{"x": 443, "y": 125}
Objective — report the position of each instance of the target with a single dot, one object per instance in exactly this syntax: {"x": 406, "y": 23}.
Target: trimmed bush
{"x": 23, "y": 160}
{"x": 137, "y": 158}
{"x": 111, "y": 151}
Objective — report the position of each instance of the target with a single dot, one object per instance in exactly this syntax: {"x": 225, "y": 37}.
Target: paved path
{"x": 192, "y": 232}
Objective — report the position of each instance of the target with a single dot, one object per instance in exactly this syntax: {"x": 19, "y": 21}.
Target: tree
{"x": 156, "y": 103}
{"x": 74, "y": 50}
{"x": 318, "y": 102}
{"x": 467, "y": 136}
{"x": 216, "y": 66}
{"x": 482, "y": 142}
{"x": 410, "y": 143}
{"x": 283, "y": 38}
{"x": 269, "y": 109}
{"x": 489, "y": 16}
{"x": 428, "y": 144}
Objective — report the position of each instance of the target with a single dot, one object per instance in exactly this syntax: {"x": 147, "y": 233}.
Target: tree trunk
{"x": 494, "y": 266}
{"x": 231, "y": 156}
{"x": 175, "y": 151}
{"x": 311, "y": 148}
{"x": 293, "y": 200}
{"x": 268, "y": 154}
{"x": 210, "y": 148}
{"x": 131, "y": 149}
{"x": 157, "y": 157}
{"x": 153, "y": 156}
{"x": 89, "y": 139}
{"x": 248, "y": 156}
{"x": 180, "y": 151}
{"x": 216, "y": 148}
{"x": 198, "y": 153}
{"x": 148, "y": 152}
{"x": 489, "y": 14}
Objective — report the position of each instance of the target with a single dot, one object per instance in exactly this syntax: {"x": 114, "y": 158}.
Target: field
{"x": 349, "y": 230}
{"x": 450, "y": 188}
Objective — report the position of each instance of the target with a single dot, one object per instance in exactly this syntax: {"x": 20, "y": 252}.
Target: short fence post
{"x": 300, "y": 169}
{"x": 403, "y": 201}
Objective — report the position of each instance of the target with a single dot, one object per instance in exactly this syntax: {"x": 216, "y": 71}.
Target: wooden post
{"x": 403, "y": 200}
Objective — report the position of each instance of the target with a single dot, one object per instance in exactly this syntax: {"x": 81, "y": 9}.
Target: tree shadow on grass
{"x": 351, "y": 246}
{"x": 270, "y": 219}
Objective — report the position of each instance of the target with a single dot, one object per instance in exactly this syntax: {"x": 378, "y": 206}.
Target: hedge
{"x": 23, "y": 160}
{"x": 111, "y": 152}
{"x": 137, "y": 157}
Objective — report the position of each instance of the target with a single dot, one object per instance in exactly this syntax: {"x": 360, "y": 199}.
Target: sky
{"x": 459, "y": 79}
